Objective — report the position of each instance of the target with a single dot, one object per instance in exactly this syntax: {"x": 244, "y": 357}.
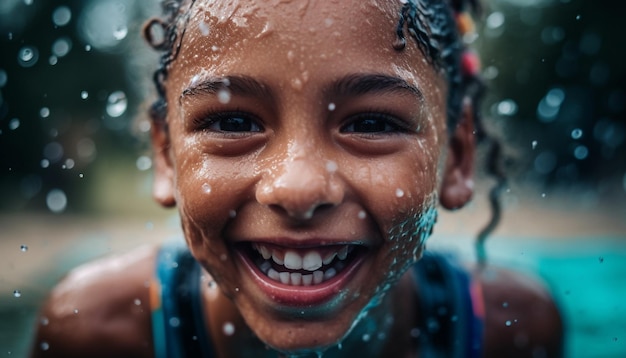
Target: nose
{"x": 301, "y": 186}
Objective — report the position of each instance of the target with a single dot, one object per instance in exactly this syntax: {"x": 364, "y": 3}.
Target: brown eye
{"x": 372, "y": 123}
{"x": 230, "y": 122}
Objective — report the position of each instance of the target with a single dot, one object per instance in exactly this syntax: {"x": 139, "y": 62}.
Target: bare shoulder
{"x": 100, "y": 309}
{"x": 522, "y": 319}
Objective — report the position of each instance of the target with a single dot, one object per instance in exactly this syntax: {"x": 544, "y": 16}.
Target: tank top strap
{"x": 177, "y": 315}
{"x": 451, "y": 323}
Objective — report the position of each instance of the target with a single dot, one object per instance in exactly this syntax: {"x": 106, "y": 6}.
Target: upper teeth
{"x": 311, "y": 261}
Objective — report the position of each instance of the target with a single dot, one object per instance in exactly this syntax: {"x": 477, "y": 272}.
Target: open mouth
{"x": 302, "y": 267}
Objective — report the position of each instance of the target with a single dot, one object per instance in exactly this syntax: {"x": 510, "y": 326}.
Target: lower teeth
{"x": 300, "y": 279}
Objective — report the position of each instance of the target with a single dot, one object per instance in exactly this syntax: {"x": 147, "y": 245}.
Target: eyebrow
{"x": 350, "y": 85}
{"x": 360, "y": 84}
{"x": 238, "y": 85}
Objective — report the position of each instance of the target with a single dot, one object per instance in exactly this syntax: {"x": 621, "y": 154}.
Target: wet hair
{"x": 434, "y": 27}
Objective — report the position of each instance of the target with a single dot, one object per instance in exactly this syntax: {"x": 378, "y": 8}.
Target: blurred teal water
{"x": 586, "y": 275}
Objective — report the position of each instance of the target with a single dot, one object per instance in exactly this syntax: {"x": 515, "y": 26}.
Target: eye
{"x": 372, "y": 123}
{"x": 230, "y": 122}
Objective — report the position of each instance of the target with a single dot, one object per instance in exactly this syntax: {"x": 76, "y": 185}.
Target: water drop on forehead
{"x": 399, "y": 193}
{"x": 331, "y": 166}
{"x": 204, "y": 28}
{"x": 206, "y": 188}
{"x": 331, "y": 106}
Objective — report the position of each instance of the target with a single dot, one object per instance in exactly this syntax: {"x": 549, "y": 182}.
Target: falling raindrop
{"x": 3, "y": 78}
{"x": 533, "y": 144}
{"x": 144, "y": 163}
{"x": 44, "y": 163}
{"x": 53, "y": 60}
{"x": 116, "y": 104}
{"x": 362, "y": 214}
{"x": 228, "y": 328}
{"x": 44, "y": 346}
{"x": 543, "y": 195}
{"x": 62, "y": 46}
{"x": 61, "y": 16}
{"x": 44, "y": 321}
{"x": 84, "y": 94}
{"x": 331, "y": 106}
{"x": 23, "y": 248}
{"x": 508, "y": 323}
{"x": 507, "y": 107}
{"x": 17, "y": 293}
{"x": 44, "y": 112}
{"x": 56, "y": 201}
{"x": 505, "y": 304}
{"x": 495, "y": 20}
{"x": 137, "y": 302}
{"x": 577, "y": 133}
{"x": 120, "y": 32}
{"x": 28, "y": 2}
{"x": 69, "y": 163}
{"x": 581, "y": 152}
{"x": 28, "y": 56}
{"x": 14, "y": 124}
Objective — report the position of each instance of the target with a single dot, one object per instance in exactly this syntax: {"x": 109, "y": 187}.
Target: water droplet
{"x": 543, "y": 195}
{"x": 44, "y": 163}
{"x": 84, "y": 94}
{"x": 81, "y": 175}
{"x": 17, "y": 293}
{"x": 228, "y": 328}
{"x": 362, "y": 214}
{"x": 61, "y": 16}
{"x": 174, "y": 322}
{"x": 116, "y": 104}
{"x": 204, "y": 28}
{"x": 143, "y": 163}
{"x": 27, "y": 56}
{"x": 533, "y": 144}
{"x": 206, "y": 188}
{"x": 137, "y": 302}
{"x": 14, "y": 124}
{"x": 44, "y": 112}
{"x": 331, "y": 166}
{"x": 53, "y": 60}
{"x": 495, "y": 20}
{"x": 507, "y": 107}
{"x": 53, "y": 151}
{"x": 44, "y": 321}
{"x": 578, "y": 17}
{"x": 87, "y": 48}
{"x": 366, "y": 337}
{"x": 223, "y": 96}
{"x": 120, "y": 32}
{"x": 212, "y": 284}
{"x": 62, "y": 46}
{"x": 56, "y": 201}
{"x": 75, "y": 310}
{"x": 331, "y": 106}
{"x": 399, "y": 193}
{"x": 601, "y": 259}
{"x": 44, "y": 346}
{"x": 23, "y": 248}
{"x": 69, "y": 163}
{"x": 581, "y": 152}
{"x": 3, "y": 78}
{"x": 232, "y": 213}
{"x": 577, "y": 133}
{"x": 507, "y": 323}
{"x": 28, "y": 2}
{"x": 505, "y": 304}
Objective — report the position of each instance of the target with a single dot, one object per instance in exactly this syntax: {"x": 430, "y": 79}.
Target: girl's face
{"x": 305, "y": 155}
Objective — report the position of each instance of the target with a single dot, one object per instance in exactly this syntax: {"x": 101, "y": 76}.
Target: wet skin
{"x": 299, "y": 129}
{"x": 252, "y": 154}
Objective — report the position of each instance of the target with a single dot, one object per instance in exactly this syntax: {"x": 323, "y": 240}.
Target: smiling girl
{"x": 307, "y": 146}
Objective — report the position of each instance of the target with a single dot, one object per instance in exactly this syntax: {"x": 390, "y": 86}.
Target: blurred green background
{"x": 75, "y": 165}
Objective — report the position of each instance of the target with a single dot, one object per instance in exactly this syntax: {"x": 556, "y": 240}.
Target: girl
{"x": 307, "y": 146}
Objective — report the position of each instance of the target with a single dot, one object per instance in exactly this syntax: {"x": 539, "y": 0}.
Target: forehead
{"x": 299, "y": 37}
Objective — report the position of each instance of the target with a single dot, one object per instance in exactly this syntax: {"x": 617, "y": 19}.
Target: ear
{"x": 458, "y": 178}
{"x": 163, "y": 187}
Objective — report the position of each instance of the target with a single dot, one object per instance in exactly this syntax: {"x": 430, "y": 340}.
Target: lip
{"x": 301, "y": 296}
